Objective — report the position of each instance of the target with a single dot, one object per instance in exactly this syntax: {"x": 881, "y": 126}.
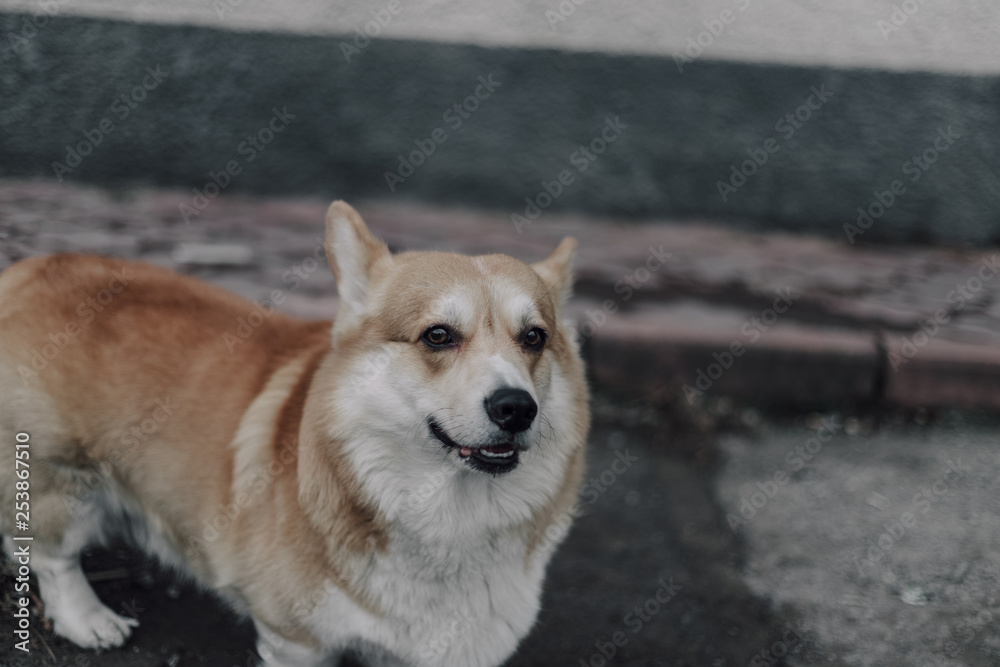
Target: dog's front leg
{"x": 276, "y": 651}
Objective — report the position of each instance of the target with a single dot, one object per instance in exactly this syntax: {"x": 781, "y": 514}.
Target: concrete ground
{"x": 855, "y": 534}
{"x": 882, "y": 547}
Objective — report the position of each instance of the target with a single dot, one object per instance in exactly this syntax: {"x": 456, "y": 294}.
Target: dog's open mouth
{"x": 495, "y": 459}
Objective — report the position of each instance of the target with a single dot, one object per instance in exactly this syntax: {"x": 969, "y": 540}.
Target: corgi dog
{"x": 391, "y": 485}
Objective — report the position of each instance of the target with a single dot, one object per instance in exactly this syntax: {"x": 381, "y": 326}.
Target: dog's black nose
{"x": 512, "y": 410}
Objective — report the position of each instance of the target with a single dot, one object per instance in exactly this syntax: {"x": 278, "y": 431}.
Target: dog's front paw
{"x": 101, "y": 628}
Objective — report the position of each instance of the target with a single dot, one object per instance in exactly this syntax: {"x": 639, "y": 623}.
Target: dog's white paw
{"x": 74, "y": 609}
{"x": 99, "y": 628}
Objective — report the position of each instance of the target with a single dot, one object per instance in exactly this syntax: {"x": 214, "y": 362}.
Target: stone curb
{"x": 670, "y": 352}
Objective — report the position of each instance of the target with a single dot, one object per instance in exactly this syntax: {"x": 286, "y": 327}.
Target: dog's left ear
{"x": 556, "y": 270}
{"x": 353, "y": 252}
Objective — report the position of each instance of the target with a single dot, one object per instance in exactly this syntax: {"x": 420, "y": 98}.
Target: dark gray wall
{"x": 353, "y": 119}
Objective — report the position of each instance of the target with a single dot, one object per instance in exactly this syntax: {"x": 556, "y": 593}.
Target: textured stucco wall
{"x": 685, "y": 130}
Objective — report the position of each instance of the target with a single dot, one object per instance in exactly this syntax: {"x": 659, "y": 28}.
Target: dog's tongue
{"x": 466, "y": 451}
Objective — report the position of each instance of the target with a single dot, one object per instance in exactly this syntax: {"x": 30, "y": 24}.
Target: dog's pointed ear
{"x": 556, "y": 270}
{"x": 353, "y": 252}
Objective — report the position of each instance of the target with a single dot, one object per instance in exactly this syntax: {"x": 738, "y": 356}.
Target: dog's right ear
{"x": 556, "y": 270}
{"x": 353, "y": 252}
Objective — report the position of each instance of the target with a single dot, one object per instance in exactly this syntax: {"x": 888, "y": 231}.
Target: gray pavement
{"x": 882, "y": 543}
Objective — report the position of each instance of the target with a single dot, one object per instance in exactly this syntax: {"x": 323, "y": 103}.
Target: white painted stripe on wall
{"x": 958, "y": 36}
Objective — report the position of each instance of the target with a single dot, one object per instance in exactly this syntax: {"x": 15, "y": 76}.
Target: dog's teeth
{"x": 496, "y": 455}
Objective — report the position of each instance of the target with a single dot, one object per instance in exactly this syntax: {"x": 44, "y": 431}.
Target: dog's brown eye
{"x": 535, "y": 338}
{"x": 437, "y": 336}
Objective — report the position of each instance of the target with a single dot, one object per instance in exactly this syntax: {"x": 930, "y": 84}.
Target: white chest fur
{"x": 454, "y": 584}
{"x": 451, "y": 603}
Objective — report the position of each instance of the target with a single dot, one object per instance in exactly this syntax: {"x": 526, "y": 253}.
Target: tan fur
{"x": 166, "y": 337}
